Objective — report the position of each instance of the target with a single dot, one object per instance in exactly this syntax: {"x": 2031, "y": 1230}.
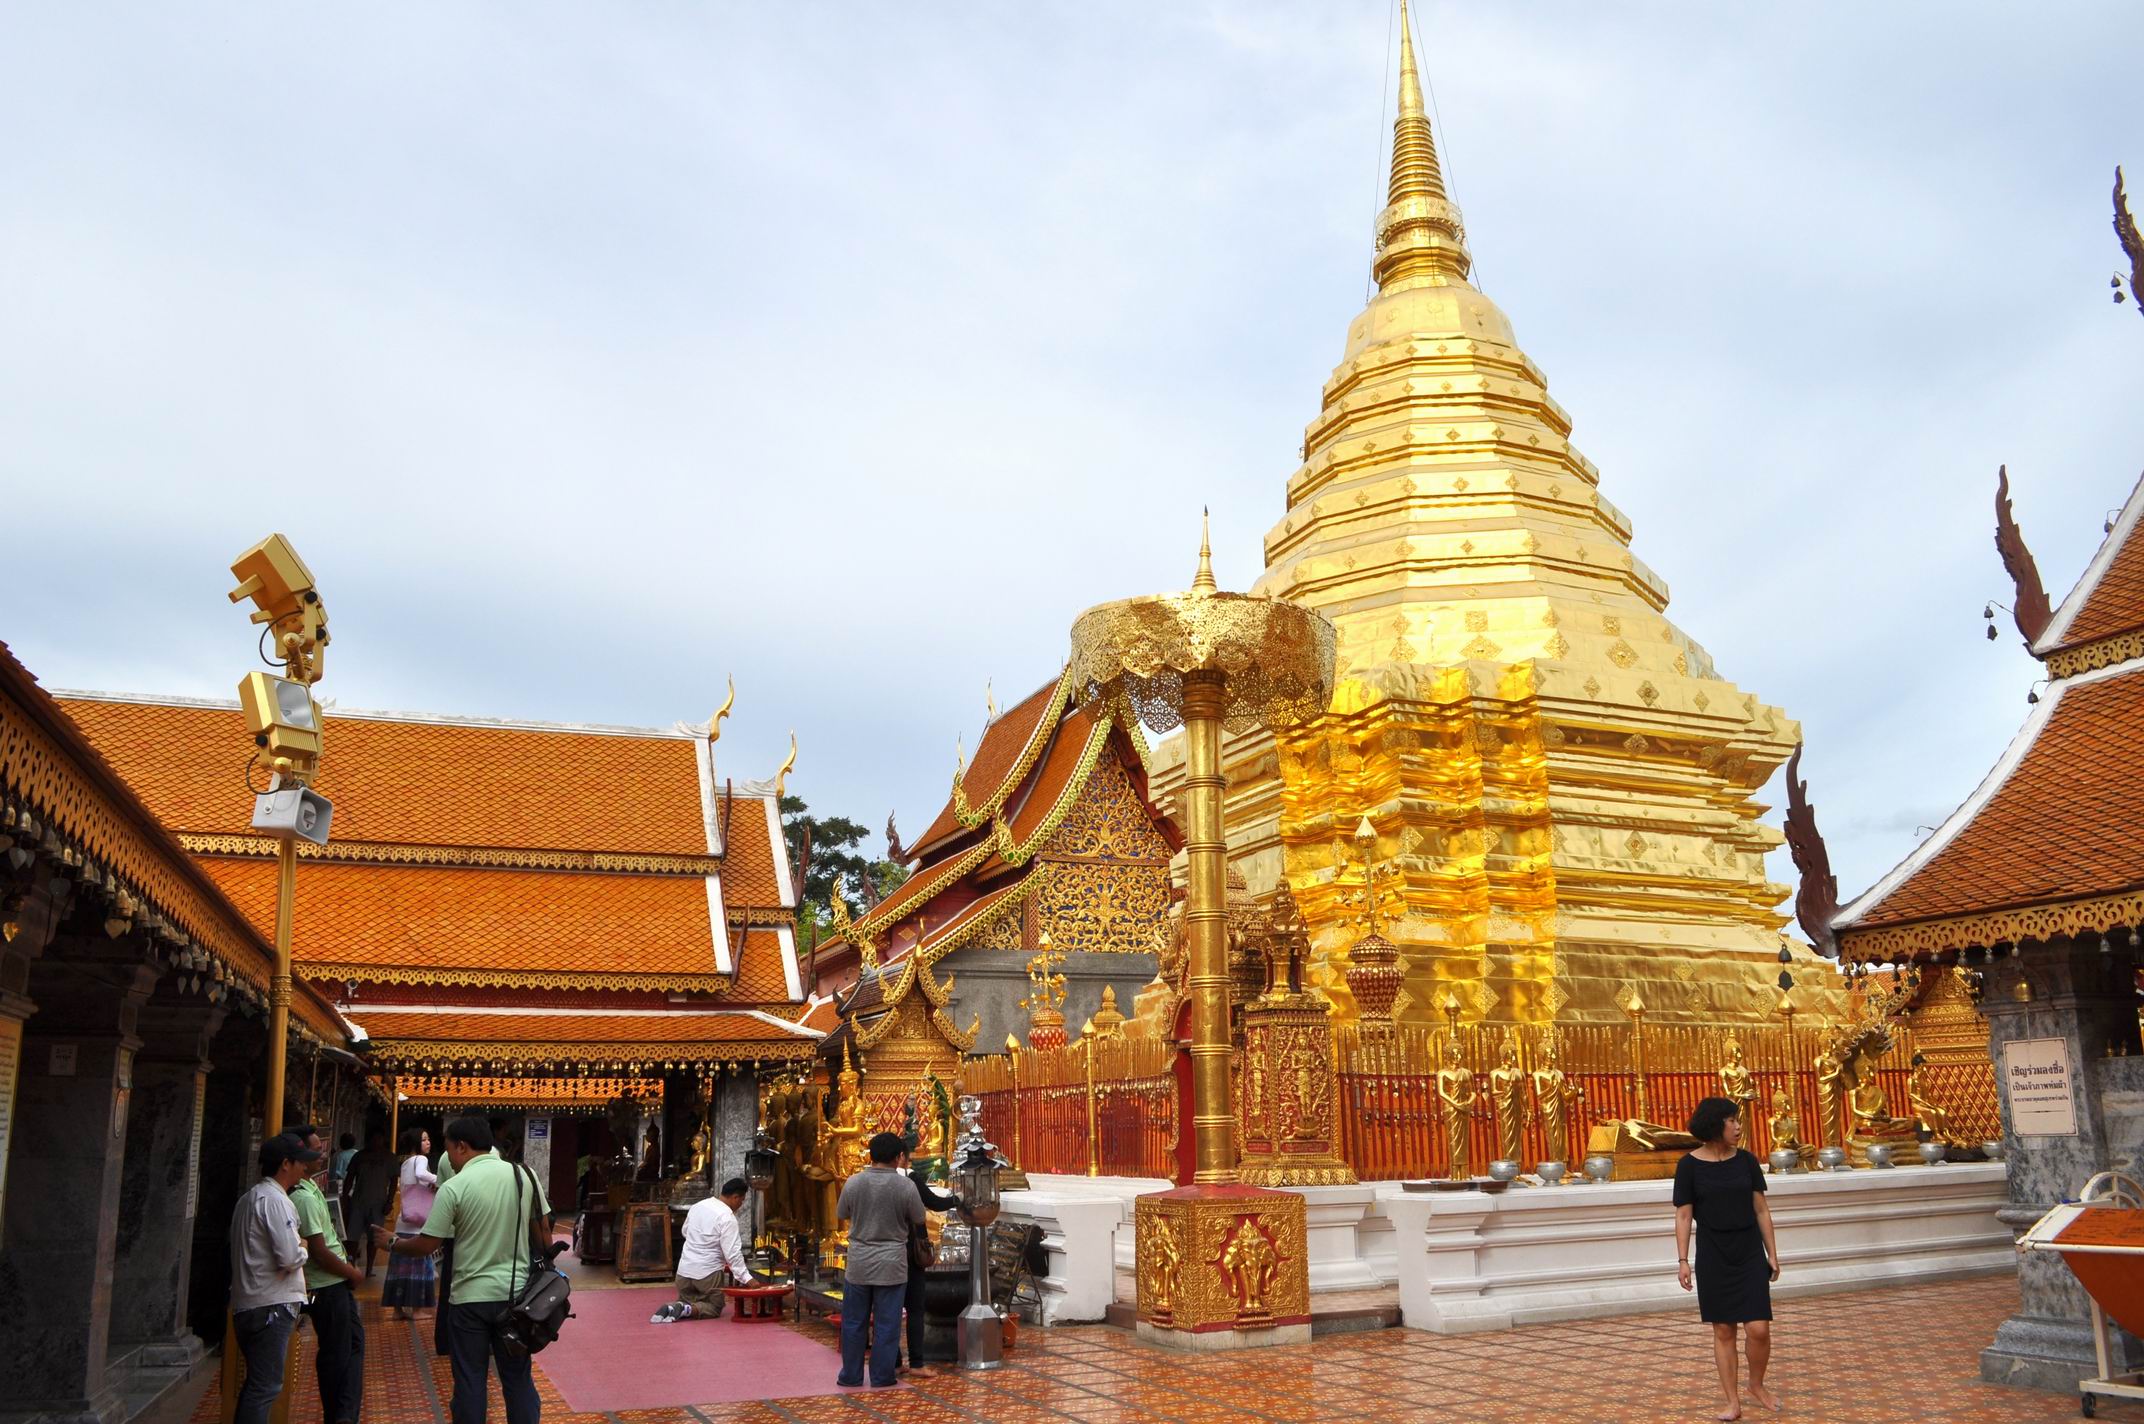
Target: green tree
{"x": 837, "y": 862}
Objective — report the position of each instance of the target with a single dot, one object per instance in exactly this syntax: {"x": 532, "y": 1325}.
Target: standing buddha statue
{"x": 1554, "y": 1097}
{"x": 1736, "y": 1084}
{"x": 1457, "y": 1093}
{"x": 1507, "y": 1089}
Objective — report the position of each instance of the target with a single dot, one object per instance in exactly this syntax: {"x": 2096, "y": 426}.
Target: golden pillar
{"x": 1213, "y": 1117}
{"x": 1217, "y": 1261}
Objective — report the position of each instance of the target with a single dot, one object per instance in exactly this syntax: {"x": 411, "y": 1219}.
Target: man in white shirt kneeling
{"x": 713, "y": 1257}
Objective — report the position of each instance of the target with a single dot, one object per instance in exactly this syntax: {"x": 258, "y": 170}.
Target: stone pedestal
{"x": 2070, "y": 992}
{"x": 1223, "y": 1267}
{"x": 63, "y": 1203}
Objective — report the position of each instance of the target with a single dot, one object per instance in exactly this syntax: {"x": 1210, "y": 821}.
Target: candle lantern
{"x": 980, "y": 1334}
{"x": 759, "y": 1163}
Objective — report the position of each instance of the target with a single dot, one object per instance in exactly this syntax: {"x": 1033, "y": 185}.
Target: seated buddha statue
{"x": 1870, "y": 1108}
{"x": 1785, "y": 1123}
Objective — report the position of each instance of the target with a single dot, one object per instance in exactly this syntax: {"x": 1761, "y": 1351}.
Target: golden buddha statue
{"x": 1457, "y": 1093}
{"x": 1736, "y": 1084}
{"x": 1831, "y": 1085}
{"x": 1933, "y": 1117}
{"x": 1786, "y": 1127}
{"x": 1870, "y": 1109}
{"x": 1507, "y": 1087}
{"x": 850, "y": 1145}
{"x": 1554, "y": 1096}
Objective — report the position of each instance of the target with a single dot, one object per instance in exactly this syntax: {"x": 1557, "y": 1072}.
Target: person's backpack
{"x": 540, "y": 1308}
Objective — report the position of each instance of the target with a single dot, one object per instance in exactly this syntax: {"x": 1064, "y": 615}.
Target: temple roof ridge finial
{"x": 1203, "y": 581}
{"x": 1420, "y": 239}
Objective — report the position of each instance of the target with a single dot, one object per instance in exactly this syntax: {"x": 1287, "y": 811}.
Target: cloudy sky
{"x": 591, "y": 354}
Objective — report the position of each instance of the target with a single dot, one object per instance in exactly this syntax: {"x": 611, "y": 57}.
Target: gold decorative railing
{"x": 1109, "y": 1113}
{"x": 1392, "y": 1122}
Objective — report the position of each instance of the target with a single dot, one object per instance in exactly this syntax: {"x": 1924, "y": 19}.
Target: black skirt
{"x": 1734, "y": 1280}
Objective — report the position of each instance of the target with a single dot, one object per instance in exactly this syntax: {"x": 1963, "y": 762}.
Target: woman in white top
{"x": 412, "y": 1281}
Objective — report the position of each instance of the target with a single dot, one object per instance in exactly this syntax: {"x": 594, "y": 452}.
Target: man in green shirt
{"x": 488, "y": 1209}
{"x": 329, "y": 1279}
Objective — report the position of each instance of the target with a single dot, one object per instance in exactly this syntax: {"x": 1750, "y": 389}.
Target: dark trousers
{"x": 340, "y": 1363}
{"x": 873, "y": 1312}
{"x": 912, "y": 1303}
{"x": 470, "y": 1347}
{"x": 264, "y": 1339}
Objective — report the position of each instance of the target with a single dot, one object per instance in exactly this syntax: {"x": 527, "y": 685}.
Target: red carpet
{"x": 609, "y": 1358}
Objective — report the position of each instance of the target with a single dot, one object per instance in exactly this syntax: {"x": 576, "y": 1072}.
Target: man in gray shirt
{"x": 880, "y": 1206}
{"x": 268, "y": 1272}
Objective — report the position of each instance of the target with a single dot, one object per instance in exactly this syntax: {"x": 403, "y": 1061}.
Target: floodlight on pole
{"x": 285, "y": 723}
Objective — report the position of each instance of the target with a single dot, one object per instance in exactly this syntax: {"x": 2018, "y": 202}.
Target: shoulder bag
{"x": 540, "y": 1308}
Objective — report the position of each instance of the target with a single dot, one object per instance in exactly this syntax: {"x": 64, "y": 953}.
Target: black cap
{"x": 286, "y": 1147}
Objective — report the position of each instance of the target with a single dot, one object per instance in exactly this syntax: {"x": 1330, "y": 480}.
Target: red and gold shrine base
{"x": 1222, "y": 1257}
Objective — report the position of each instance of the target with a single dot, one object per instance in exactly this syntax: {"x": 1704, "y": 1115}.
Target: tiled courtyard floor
{"x": 1900, "y": 1354}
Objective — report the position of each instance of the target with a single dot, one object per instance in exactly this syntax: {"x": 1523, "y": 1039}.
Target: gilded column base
{"x": 1222, "y": 1267}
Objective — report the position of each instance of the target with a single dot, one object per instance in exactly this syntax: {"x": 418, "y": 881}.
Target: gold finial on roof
{"x": 990, "y": 702}
{"x": 1420, "y": 240}
{"x": 960, "y": 757}
{"x": 1203, "y": 581}
{"x": 781, "y": 778}
{"x": 714, "y": 725}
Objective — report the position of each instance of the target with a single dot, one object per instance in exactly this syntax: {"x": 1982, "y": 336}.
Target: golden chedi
{"x": 1561, "y": 774}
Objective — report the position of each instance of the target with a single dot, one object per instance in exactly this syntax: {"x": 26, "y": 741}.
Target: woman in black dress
{"x": 1719, "y": 1191}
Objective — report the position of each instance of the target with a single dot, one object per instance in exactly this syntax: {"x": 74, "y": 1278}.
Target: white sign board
{"x": 536, "y": 1148}
{"x": 2038, "y": 1082}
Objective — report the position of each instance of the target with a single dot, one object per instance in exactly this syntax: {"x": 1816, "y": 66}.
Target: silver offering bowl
{"x": 1831, "y": 1158}
{"x": 1503, "y": 1169}
{"x": 1600, "y": 1167}
{"x": 1550, "y": 1173}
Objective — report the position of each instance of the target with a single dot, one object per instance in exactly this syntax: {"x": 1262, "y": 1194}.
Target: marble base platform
{"x": 1471, "y": 1261}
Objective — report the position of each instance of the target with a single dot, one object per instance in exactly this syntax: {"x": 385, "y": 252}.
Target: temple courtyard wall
{"x": 1469, "y": 1261}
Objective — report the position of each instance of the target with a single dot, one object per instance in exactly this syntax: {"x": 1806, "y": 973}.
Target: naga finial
{"x": 990, "y": 703}
{"x": 789, "y": 763}
{"x": 1816, "y": 900}
{"x": 2125, "y": 229}
{"x": 2030, "y": 608}
{"x": 714, "y": 725}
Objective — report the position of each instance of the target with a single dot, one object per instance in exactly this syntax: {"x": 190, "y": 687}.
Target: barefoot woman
{"x": 1719, "y": 1189}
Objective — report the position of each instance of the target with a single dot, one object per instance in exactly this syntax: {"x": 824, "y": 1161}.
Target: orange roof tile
{"x": 2109, "y": 597}
{"x": 998, "y": 757}
{"x": 421, "y": 782}
{"x": 750, "y": 875}
{"x": 761, "y": 976}
{"x": 552, "y": 1094}
{"x": 443, "y": 919}
{"x": 2056, "y": 820}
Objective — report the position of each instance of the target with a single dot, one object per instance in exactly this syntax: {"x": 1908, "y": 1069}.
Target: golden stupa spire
{"x": 1420, "y": 240}
{"x": 1203, "y": 581}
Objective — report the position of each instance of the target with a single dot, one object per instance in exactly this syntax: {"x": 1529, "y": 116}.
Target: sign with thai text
{"x": 2038, "y": 1084}
{"x": 536, "y": 1147}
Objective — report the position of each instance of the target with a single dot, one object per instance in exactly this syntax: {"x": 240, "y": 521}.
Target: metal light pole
{"x": 286, "y": 725}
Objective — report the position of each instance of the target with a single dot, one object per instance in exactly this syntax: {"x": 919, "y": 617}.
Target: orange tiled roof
{"x": 1002, "y": 753}
{"x": 2055, "y": 821}
{"x": 421, "y": 782}
{"x": 2109, "y": 598}
{"x": 444, "y": 920}
{"x": 761, "y": 974}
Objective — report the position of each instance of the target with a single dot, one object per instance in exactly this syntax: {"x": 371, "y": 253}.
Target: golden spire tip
{"x": 1203, "y": 581}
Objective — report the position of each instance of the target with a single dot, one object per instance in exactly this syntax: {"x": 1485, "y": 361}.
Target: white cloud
{"x": 590, "y": 355}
